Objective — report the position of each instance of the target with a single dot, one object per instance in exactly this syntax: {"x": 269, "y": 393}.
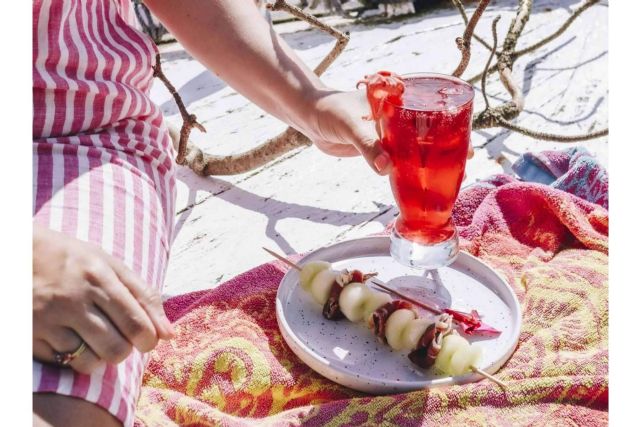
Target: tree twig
{"x": 515, "y": 30}
{"x": 205, "y": 164}
{"x": 189, "y": 121}
{"x": 517, "y": 54}
{"x": 494, "y": 33}
{"x": 511, "y": 109}
{"x": 458, "y": 4}
{"x": 577, "y": 12}
{"x": 502, "y": 115}
{"x": 544, "y": 136}
{"x": 341, "y": 38}
{"x": 499, "y": 116}
{"x": 464, "y": 42}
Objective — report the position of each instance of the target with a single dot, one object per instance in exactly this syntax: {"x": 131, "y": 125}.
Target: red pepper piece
{"x": 357, "y": 276}
{"x": 471, "y": 323}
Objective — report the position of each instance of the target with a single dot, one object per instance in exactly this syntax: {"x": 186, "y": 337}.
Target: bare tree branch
{"x": 517, "y": 54}
{"x": 464, "y": 42}
{"x": 544, "y": 136}
{"x": 494, "y": 33}
{"x": 342, "y": 38}
{"x": 577, "y": 12}
{"x": 511, "y": 109}
{"x": 207, "y": 164}
{"x": 189, "y": 121}
{"x": 463, "y": 13}
{"x": 500, "y": 116}
{"x": 515, "y": 30}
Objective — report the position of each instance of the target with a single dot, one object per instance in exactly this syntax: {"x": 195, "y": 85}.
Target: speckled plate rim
{"x": 371, "y": 384}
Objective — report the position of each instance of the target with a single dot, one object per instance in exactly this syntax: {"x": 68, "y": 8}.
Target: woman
{"x": 104, "y": 181}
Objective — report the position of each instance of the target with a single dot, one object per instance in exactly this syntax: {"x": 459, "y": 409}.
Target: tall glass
{"x": 427, "y": 138}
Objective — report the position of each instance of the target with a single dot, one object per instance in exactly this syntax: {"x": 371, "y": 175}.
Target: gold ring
{"x": 65, "y": 358}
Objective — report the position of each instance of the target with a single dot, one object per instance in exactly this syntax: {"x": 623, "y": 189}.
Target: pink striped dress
{"x": 102, "y": 161}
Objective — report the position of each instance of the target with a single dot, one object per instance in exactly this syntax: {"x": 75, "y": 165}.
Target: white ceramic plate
{"x": 349, "y": 354}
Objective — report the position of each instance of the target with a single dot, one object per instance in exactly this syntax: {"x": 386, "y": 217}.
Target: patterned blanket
{"x": 229, "y": 364}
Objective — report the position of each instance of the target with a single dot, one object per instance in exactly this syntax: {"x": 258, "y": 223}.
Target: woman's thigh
{"x": 124, "y": 204}
{"x": 56, "y": 410}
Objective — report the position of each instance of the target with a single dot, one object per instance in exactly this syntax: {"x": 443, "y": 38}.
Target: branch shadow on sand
{"x": 273, "y": 209}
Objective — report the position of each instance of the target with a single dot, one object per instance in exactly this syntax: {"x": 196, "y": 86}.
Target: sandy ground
{"x": 306, "y": 199}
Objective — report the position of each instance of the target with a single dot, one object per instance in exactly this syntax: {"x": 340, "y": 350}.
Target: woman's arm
{"x": 232, "y": 39}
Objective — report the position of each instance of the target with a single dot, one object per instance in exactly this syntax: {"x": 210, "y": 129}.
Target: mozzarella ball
{"x": 374, "y": 302}
{"x": 353, "y": 300}
{"x": 451, "y": 344}
{"x": 414, "y": 331}
{"x": 309, "y": 271}
{"x": 321, "y": 285}
{"x": 395, "y": 327}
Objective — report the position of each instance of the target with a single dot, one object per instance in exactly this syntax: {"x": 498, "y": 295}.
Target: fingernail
{"x": 381, "y": 162}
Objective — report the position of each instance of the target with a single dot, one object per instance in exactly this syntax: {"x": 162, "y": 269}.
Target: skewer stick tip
{"x": 489, "y": 377}
{"x": 283, "y": 259}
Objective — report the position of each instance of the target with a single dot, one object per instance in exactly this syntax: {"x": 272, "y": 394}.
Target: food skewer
{"x": 471, "y": 322}
{"x": 424, "y": 356}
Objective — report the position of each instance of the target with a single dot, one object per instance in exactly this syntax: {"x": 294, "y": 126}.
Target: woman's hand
{"x": 340, "y": 128}
{"x": 80, "y": 293}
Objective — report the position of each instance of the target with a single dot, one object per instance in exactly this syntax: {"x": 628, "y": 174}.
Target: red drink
{"x": 426, "y": 133}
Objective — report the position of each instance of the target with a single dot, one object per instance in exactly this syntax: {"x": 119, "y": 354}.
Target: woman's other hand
{"x": 80, "y": 293}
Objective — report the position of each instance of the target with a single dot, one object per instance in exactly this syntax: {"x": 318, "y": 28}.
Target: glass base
{"x": 427, "y": 257}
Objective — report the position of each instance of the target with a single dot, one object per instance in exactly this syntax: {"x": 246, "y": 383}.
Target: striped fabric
{"x": 102, "y": 161}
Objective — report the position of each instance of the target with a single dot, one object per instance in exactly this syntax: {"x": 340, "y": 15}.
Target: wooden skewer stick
{"x": 283, "y": 259}
{"x": 489, "y": 377}
{"x": 378, "y": 283}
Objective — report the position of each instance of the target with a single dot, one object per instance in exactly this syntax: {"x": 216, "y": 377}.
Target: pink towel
{"x": 230, "y": 366}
